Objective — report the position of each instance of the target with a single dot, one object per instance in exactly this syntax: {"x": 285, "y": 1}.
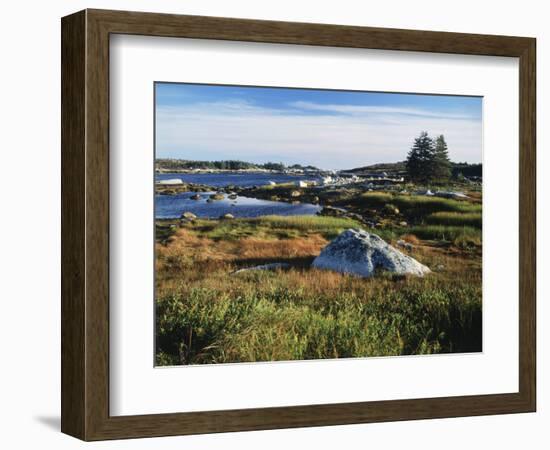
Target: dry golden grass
{"x": 411, "y": 239}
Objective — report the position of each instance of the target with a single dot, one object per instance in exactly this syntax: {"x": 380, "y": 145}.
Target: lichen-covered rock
{"x": 360, "y": 253}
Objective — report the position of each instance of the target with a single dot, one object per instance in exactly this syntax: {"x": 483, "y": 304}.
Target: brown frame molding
{"x": 85, "y": 224}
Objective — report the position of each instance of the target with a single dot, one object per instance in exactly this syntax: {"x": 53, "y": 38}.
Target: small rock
{"x": 272, "y": 266}
{"x": 217, "y": 196}
{"x": 295, "y": 193}
{"x": 227, "y": 216}
{"x": 404, "y": 244}
{"x": 195, "y": 197}
{"x": 451, "y": 194}
{"x": 232, "y": 196}
{"x": 188, "y": 216}
{"x": 332, "y": 211}
{"x": 170, "y": 182}
{"x": 355, "y": 216}
{"x": 403, "y": 224}
{"x": 391, "y": 209}
{"x": 426, "y": 192}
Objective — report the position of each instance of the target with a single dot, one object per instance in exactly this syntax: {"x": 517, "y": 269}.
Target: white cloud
{"x": 240, "y": 130}
{"x": 364, "y": 109}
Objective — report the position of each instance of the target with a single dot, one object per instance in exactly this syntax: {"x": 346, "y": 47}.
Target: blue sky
{"x": 325, "y": 128}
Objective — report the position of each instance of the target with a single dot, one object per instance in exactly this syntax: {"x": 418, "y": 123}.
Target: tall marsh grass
{"x": 275, "y": 227}
{"x": 462, "y": 237}
{"x": 417, "y": 205}
{"x": 471, "y": 219}
{"x": 276, "y": 323}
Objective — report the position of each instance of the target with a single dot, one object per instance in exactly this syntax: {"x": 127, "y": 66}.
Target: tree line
{"x": 182, "y": 164}
{"x": 428, "y": 160}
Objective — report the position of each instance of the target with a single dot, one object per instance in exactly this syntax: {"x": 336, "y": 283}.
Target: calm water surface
{"x": 172, "y": 206}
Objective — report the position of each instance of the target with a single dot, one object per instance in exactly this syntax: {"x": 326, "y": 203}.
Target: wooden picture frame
{"x": 85, "y": 224}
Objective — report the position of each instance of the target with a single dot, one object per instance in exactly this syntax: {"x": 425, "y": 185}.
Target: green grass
{"x": 263, "y": 320}
{"x": 455, "y": 219}
{"x": 274, "y": 227}
{"x": 461, "y": 236}
{"x": 417, "y": 205}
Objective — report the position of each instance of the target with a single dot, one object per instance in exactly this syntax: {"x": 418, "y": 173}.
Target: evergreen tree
{"x": 441, "y": 163}
{"x": 420, "y": 160}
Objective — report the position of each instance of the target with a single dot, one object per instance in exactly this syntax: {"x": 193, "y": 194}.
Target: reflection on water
{"x": 172, "y": 206}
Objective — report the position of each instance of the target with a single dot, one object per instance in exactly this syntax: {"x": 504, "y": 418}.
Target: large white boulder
{"x": 360, "y": 253}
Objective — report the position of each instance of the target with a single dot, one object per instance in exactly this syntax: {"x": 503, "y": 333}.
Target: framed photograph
{"x": 272, "y": 225}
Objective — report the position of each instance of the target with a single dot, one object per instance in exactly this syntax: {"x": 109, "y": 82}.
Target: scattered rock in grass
{"x": 452, "y": 194}
{"x": 425, "y": 192}
{"x": 271, "y": 266}
{"x": 188, "y": 216}
{"x": 404, "y": 244}
{"x": 391, "y": 209}
{"x": 360, "y": 253}
{"x": 227, "y": 216}
{"x": 355, "y": 216}
{"x": 403, "y": 223}
{"x": 332, "y": 211}
{"x": 440, "y": 267}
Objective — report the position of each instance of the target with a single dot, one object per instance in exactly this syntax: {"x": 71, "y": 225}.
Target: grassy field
{"x": 207, "y": 313}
